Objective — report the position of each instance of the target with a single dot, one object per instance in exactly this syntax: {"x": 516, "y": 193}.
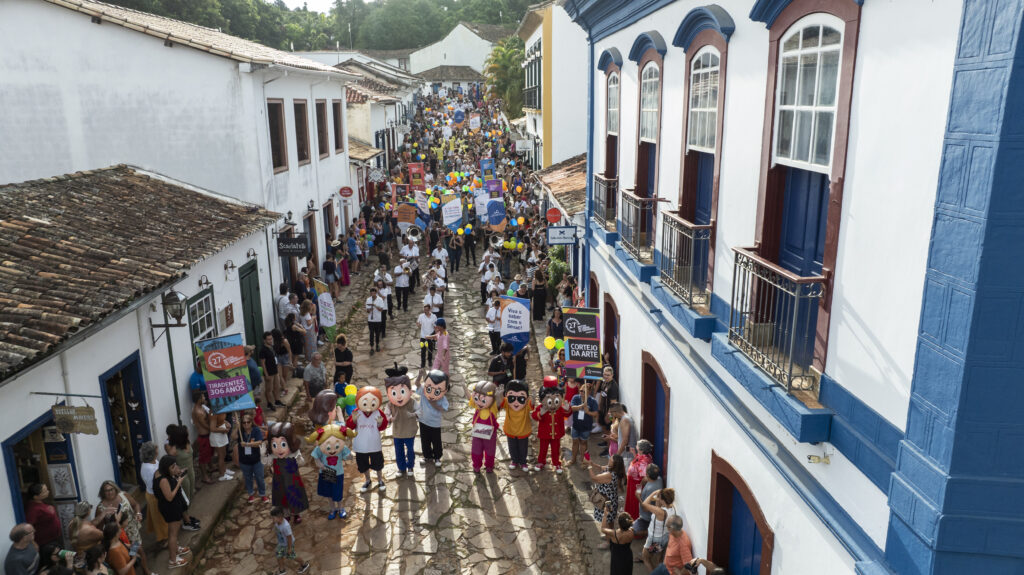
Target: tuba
{"x": 496, "y": 241}
{"x": 414, "y": 233}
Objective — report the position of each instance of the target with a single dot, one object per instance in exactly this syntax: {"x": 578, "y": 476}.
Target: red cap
{"x": 550, "y": 381}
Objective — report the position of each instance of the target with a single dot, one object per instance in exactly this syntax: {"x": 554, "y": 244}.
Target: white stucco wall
{"x": 569, "y": 87}
{"x": 872, "y": 338}
{"x": 461, "y": 47}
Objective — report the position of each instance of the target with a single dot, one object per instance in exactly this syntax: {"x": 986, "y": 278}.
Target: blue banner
{"x": 515, "y": 322}
{"x": 226, "y": 373}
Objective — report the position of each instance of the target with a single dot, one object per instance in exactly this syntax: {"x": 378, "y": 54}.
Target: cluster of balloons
{"x": 348, "y": 401}
{"x": 552, "y": 343}
{"x": 512, "y": 245}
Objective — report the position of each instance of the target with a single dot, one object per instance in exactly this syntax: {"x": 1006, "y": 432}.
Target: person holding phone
{"x": 173, "y": 506}
{"x": 116, "y": 503}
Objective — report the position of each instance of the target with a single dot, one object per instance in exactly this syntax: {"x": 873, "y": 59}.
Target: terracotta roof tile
{"x": 567, "y": 181}
{"x": 78, "y": 247}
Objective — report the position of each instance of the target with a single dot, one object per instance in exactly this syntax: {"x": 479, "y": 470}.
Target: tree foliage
{"x": 360, "y": 24}
{"x": 503, "y": 71}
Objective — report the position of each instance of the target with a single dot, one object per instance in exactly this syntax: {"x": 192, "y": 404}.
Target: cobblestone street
{"x": 446, "y": 521}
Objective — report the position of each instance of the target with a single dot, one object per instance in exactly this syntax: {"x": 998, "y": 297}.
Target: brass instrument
{"x": 414, "y": 234}
{"x": 496, "y": 242}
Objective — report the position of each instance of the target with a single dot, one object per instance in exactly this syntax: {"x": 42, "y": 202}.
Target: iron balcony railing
{"x": 606, "y": 193}
{"x": 637, "y": 226}
{"x": 531, "y": 97}
{"x": 683, "y": 262}
{"x": 773, "y": 319}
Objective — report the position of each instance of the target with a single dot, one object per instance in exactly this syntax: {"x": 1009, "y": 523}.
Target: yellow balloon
{"x": 521, "y": 245}
{"x": 520, "y": 220}
{"x": 350, "y": 389}
{"x": 460, "y": 232}
{"x": 549, "y": 342}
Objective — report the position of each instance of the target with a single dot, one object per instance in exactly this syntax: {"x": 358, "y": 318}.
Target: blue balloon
{"x": 512, "y": 163}
{"x": 369, "y": 244}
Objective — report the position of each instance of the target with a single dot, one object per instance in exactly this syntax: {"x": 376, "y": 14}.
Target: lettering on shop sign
{"x": 71, "y": 419}
{"x": 581, "y": 326}
{"x": 293, "y": 247}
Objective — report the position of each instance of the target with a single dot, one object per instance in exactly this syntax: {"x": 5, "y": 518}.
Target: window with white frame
{"x": 703, "y": 121}
{"x": 202, "y": 317}
{"x": 613, "y": 104}
{"x": 806, "y": 99}
{"x": 649, "y": 85}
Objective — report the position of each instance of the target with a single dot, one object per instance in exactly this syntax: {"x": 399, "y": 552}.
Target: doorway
{"x": 330, "y": 228}
{"x": 289, "y": 264}
{"x": 611, "y": 333}
{"x": 252, "y": 311}
{"x": 740, "y": 539}
{"x": 594, "y": 292}
{"x": 38, "y": 453}
{"x": 127, "y": 418}
{"x": 309, "y": 225}
{"x": 654, "y": 418}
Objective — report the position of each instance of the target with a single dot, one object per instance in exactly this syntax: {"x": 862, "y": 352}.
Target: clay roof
{"x": 75, "y": 249}
{"x": 192, "y": 35}
{"x": 354, "y": 96}
{"x": 493, "y": 33}
{"x": 567, "y": 181}
{"x": 361, "y": 151}
{"x": 451, "y": 74}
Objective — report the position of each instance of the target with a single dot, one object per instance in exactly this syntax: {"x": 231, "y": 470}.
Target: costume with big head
{"x": 432, "y": 405}
{"x": 369, "y": 421}
{"x": 329, "y": 453}
{"x": 551, "y": 415}
{"x": 517, "y": 425}
{"x": 403, "y": 415}
{"x": 287, "y": 488}
{"x": 485, "y": 424}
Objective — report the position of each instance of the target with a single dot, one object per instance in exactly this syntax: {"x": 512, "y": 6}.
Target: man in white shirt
{"x": 439, "y": 268}
{"x": 485, "y": 278}
{"x": 280, "y": 301}
{"x": 434, "y": 300}
{"x": 496, "y": 284}
{"x": 411, "y": 252}
{"x": 292, "y": 307}
{"x": 494, "y": 325}
{"x": 426, "y": 322}
{"x": 381, "y": 274}
{"x": 440, "y": 253}
{"x": 402, "y": 273}
{"x": 375, "y": 307}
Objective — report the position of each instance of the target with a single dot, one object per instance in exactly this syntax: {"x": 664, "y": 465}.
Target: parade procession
{"x": 524, "y": 287}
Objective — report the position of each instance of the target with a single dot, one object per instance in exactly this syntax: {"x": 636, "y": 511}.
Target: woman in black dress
{"x": 619, "y": 536}
{"x": 540, "y": 292}
{"x": 173, "y": 507}
{"x": 555, "y": 327}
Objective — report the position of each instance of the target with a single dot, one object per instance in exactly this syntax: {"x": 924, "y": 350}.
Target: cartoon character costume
{"x": 330, "y": 443}
{"x": 432, "y": 406}
{"x": 368, "y": 421}
{"x": 485, "y": 425}
{"x": 517, "y": 426}
{"x": 551, "y": 415}
{"x": 403, "y": 416}
{"x": 287, "y": 490}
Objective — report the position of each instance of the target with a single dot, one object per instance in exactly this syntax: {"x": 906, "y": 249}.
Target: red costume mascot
{"x": 551, "y": 415}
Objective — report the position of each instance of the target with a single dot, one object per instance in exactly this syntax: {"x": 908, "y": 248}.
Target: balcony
{"x": 531, "y": 97}
{"x": 773, "y": 319}
{"x": 683, "y": 261}
{"x": 637, "y": 226}
{"x": 606, "y": 193}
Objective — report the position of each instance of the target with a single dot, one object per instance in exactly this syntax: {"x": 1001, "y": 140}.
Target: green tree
{"x": 503, "y": 72}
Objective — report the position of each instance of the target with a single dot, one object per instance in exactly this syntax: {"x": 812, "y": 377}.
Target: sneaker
{"x": 343, "y": 514}
{"x": 265, "y": 499}
{"x": 225, "y": 477}
{"x": 437, "y": 463}
{"x": 381, "y": 486}
{"x": 371, "y": 351}
{"x": 190, "y": 527}
{"x": 279, "y": 405}
{"x": 512, "y": 466}
{"x": 538, "y": 467}
{"x": 423, "y": 463}
{"x": 304, "y": 568}
{"x": 332, "y": 514}
{"x": 558, "y": 469}
{"x": 230, "y": 472}
{"x": 252, "y": 498}
{"x": 194, "y": 521}
{"x": 365, "y": 488}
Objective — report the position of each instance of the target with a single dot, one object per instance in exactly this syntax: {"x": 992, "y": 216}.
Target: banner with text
{"x": 487, "y": 169}
{"x": 496, "y": 217}
{"x": 328, "y": 321}
{"x": 406, "y": 216}
{"x": 416, "y": 177}
{"x": 474, "y": 122}
{"x": 515, "y": 322}
{"x": 480, "y": 202}
{"x": 582, "y": 342}
{"x": 451, "y": 211}
{"x": 226, "y": 373}
{"x": 423, "y": 205}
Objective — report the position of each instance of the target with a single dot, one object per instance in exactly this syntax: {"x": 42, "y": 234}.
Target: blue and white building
{"x": 811, "y": 210}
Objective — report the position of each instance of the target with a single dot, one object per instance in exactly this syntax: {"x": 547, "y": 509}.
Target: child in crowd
{"x": 285, "y": 542}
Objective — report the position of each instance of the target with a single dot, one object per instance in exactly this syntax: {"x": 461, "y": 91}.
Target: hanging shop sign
{"x": 72, "y": 419}
{"x": 377, "y": 175}
{"x": 345, "y": 192}
{"x": 297, "y": 246}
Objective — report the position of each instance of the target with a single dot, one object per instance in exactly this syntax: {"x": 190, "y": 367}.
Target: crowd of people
{"x": 407, "y": 260}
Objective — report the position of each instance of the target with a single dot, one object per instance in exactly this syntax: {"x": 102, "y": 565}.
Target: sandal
{"x": 180, "y": 562}
{"x": 183, "y": 550}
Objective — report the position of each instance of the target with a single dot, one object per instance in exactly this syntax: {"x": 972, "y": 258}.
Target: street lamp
{"x": 175, "y": 305}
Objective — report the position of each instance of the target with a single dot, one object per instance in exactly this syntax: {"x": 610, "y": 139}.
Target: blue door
{"x": 702, "y": 215}
{"x": 127, "y": 418}
{"x": 744, "y": 539}
{"x": 659, "y": 423}
{"x": 801, "y": 251}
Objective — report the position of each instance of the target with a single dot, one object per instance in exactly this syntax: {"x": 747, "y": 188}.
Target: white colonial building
{"x": 468, "y": 44}
{"x": 225, "y": 114}
{"x": 810, "y": 209}
{"x": 554, "y": 84}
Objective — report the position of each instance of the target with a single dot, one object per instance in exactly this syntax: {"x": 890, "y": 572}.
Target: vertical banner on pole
{"x": 582, "y": 341}
{"x": 226, "y": 373}
{"x": 515, "y": 322}
{"x": 451, "y": 211}
{"x": 423, "y": 205}
{"x": 480, "y": 203}
{"x": 487, "y": 169}
{"x": 326, "y": 310}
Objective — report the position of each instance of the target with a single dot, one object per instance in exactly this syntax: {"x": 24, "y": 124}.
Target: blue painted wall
{"x": 957, "y": 496}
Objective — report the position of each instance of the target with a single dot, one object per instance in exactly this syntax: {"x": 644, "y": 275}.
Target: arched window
{"x": 649, "y": 96}
{"x": 703, "y": 120}
{"x": 613, "y": 105}
{"x": 808, "y": 83}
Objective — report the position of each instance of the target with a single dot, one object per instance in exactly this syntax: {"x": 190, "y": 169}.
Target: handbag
{"x": 483, "y": 431}
{"x": 596, "y": 497}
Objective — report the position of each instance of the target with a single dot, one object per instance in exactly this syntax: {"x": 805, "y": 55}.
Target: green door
{"x": 252, "y": 311}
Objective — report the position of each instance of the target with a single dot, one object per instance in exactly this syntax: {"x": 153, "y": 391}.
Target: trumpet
{"x": 414, "y": 234}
